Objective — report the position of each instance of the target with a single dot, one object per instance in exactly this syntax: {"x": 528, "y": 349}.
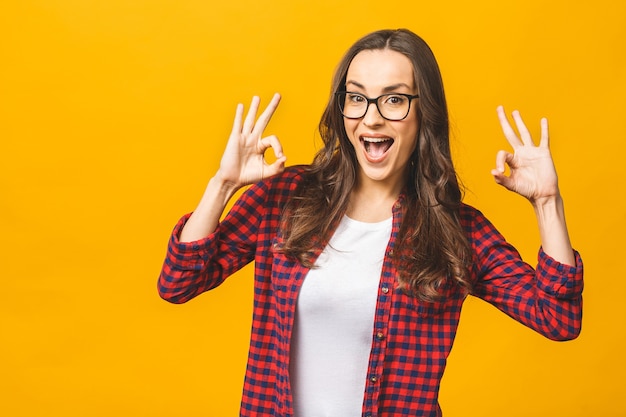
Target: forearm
{"x": 206, "y": 216}
{"x": 553, "y": 229}
{"x": 546, "y": 299}
{"x": 188, "y": 269}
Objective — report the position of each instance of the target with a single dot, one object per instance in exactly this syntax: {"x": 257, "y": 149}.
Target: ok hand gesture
{"x": 532, "y": 173}
{"x": 242, "y": 163}
{"x": 243, "y": 160}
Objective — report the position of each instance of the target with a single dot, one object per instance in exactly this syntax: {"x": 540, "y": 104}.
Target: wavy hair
{"x": 432, "y": 250}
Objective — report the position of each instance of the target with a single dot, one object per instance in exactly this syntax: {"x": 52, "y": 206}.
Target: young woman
{"x": 363, "y": 258}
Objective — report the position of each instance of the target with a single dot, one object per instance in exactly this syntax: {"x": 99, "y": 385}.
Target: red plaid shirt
{"x": 411, "y": 339}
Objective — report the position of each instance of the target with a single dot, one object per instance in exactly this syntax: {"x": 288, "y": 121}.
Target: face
{"x": 383, "y": 147}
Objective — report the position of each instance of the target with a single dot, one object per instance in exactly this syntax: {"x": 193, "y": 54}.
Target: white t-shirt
{"x": 333, "y": 330}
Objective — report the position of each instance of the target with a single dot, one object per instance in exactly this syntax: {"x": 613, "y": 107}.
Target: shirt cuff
{"x": 189, "y": 255}
{"x": 560, "y": 280}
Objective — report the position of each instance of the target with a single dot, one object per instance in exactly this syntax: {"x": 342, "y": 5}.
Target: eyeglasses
{"x": 394, "y": 106}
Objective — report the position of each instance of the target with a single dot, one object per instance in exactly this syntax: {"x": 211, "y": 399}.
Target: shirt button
{"x": 380, "y": 335}
{"x": 391, "y": 252}
{"x": 374, "y": 379}
{"x": 397, "y": 205}
{"x": 385, "y": 290}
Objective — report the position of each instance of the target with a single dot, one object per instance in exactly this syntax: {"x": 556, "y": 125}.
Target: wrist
{"x": 548, "y": 208}
{"x": 222, "y": 185}
{"x": 547, "y": 202}
{"x": 550, "y": 213}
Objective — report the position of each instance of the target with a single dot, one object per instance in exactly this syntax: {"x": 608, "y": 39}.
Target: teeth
{"x": 376, "y": 140}
{"x": 376, "y": 147}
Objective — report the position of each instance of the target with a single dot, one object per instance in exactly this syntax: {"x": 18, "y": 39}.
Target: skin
{"x": 531, "y": 170}
{"x": 380, "y": 178}
{"x": 242, "y": 163}
{"x": 533, "y": 176}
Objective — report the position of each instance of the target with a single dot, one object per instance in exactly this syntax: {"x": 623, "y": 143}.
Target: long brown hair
{"x": 432, "y": 249}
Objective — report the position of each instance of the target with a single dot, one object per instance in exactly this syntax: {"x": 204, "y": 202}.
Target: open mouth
{"x": 376, "y": 147}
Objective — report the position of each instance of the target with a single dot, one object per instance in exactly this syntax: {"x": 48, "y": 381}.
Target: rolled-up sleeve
{"x": 560, "y": 280}
{"x": 191, "y": 268}
{"x": 548, "y": 298}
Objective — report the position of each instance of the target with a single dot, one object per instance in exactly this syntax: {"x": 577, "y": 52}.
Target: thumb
{"x": 276, "y": 167}
{"x": 501, "y": 179}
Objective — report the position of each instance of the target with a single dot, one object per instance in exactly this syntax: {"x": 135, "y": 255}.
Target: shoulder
{"x": 469, "y": 213}
{"x": 472, "y": 219}
{"x": 280, "y": 186}
{"x": 482, "y": 234}
{"x": 293, "y": 173}
{"x": 289, "y": 178}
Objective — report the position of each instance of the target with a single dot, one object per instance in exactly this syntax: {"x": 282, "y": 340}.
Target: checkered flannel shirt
{"x": 411, "y": 339}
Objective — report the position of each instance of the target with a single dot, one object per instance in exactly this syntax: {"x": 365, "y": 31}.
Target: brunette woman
{"x": 364, "y": 258}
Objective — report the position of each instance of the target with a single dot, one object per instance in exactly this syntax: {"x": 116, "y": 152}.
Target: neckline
{"x": 387, "y": 223}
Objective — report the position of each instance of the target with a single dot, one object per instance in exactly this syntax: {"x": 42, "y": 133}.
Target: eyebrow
{"x": 387, "y": 89}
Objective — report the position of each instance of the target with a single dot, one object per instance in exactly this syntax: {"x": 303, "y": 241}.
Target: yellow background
{"x": 114, "y": 114}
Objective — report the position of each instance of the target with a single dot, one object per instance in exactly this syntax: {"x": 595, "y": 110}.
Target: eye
{"x": 394, "y": 100}
{"x": 354, "y": 98}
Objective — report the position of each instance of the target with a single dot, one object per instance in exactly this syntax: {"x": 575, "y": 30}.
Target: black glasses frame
{"x": 410, "y": 97}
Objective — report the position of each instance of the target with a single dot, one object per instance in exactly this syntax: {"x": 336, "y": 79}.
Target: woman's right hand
{"x": 243, "y": 160}
{"x": 242, "y": 163}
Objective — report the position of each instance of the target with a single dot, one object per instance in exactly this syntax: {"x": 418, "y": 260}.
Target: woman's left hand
{"x": 532, "y": 173}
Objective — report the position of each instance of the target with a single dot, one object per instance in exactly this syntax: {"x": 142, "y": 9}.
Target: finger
{"x": 503, "y": 158}
{"x": 499, "y": 175}
{"x": 267, "y": 114}
{"x": 522, "y": 129}
{"x": 502, "y": 179}
{"x": 276, "y": 167}
{"x": 271, "y": 142}
{"x": 248, "y": 125}
{"x": 508, "y": 131}
{"x": 238, "y": 118}
{"x": 545, "y": 134}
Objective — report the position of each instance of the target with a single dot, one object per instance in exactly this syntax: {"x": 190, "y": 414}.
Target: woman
{"x": 363, "y": 259}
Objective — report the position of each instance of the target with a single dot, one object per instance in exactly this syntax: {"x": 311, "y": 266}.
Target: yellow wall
{"x": 114, "y": 113}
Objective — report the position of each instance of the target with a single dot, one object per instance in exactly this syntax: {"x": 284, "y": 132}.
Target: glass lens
{"x": 353, "y": 105}
{"x": 393, "y": 106}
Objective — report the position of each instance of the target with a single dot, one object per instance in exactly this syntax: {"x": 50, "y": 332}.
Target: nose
{"x": 372, "y": 115}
